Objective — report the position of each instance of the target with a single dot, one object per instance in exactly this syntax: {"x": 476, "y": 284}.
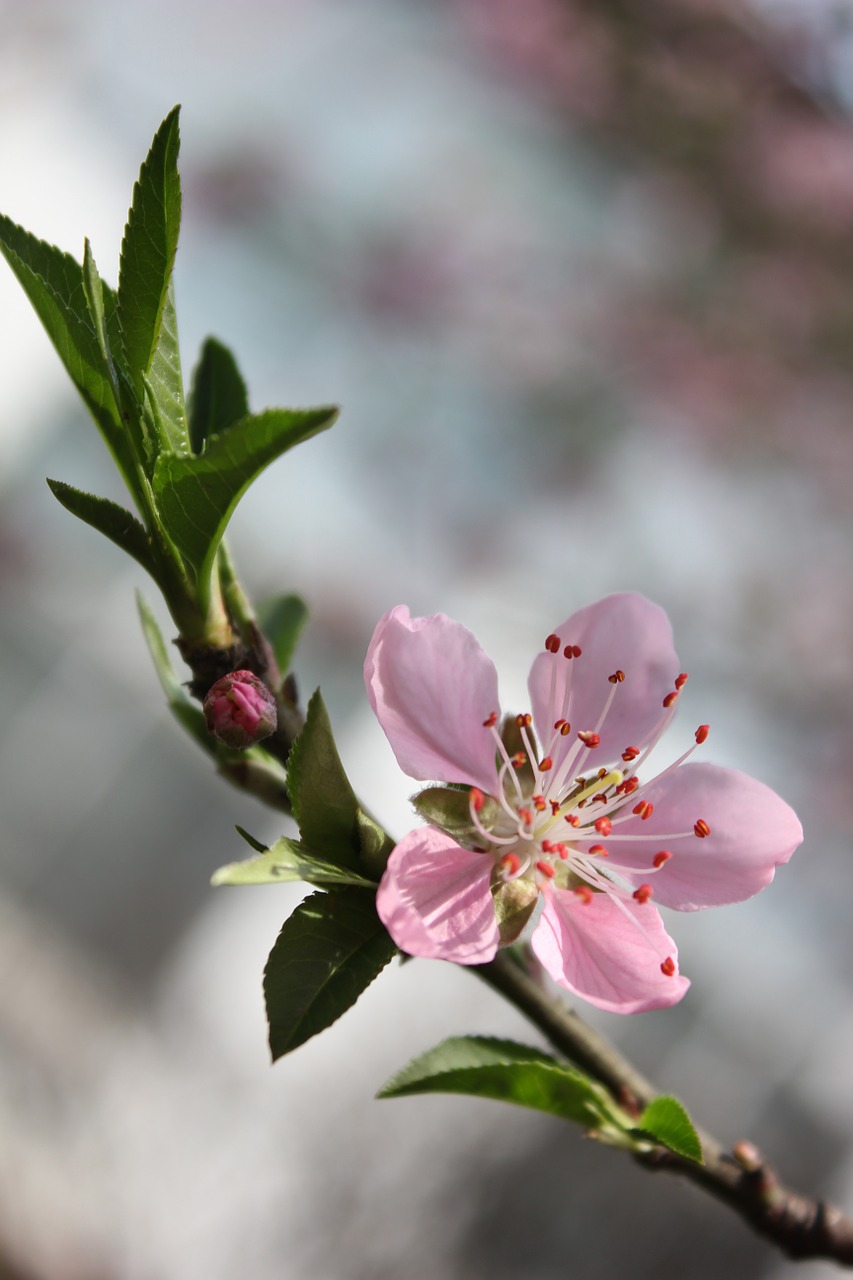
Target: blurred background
{"x": 579, "y": 274}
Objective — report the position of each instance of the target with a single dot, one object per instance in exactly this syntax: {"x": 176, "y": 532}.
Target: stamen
{"x": 572, "y": 651}
{"x": 552, "y": 643}
{"x": 582, "y": 892}
{"x": 539, "y": 803}
{"x": 492, "y": 721}
{"x": 510, "y": 863}
{"x": 670, "y": 698}
{"x": 643, "y": 893}
{"x": 524, "y": 721}
{"x": 660, "y": 858}
{"x": 546, "y": 869}
{"x": 598, "y": 849}
{"x": 546, "y": 764}
{"x": 572, "y": 819}
{"x": 630, "y": 753}
{"x": 668, "y": 967}
{"x": 476, "y": 799}
{"x": 644, "y": 809}
{"x": 681, "y": 681}
{"x": 603, "y": 826}
{"x": 701, "y": 829}
{"x": 589, "y": 739}
{"x": 702, "y": 733}
{"x": 617, "y": 677}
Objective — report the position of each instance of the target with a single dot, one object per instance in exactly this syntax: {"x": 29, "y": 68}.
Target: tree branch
{"x": 742, "y": 1179}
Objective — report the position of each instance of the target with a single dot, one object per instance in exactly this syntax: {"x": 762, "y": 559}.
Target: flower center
{"x": 557, "y": 806}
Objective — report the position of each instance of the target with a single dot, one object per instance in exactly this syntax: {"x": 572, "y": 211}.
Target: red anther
{"x": 539, "y": 804}
{"x": 668, "y": 967}
{"x": 670, "y": 698}
{"x": 476, "y": 799}
{"x": 565, "y": 729}
{"x": 561, "y": 850}
{"x": 600, "y": 798}
{"x": 681, "y": 681}
{"x": 644, "y": 809}
{"x": 630, "y": 753}
{"x": 572, "y": 819}
{"x": 524, "y": 721}
{"x": 702, "y": 732}
{"x": 526, "y": 816}
{"x": 602, "y": 773}
{"x": 492, "y": 721}
{"x": 510, "y": 863}
{"x": 552, "y": 643}
{"x": 701, "y": 829}
{"x": 627, "y": 785}
{"x": 546, "y": 869}
{"x": 558, "y": 724}
{"x": 584, "y": 893}
{"x": 660, "y": 858}
{"x": 643, "y": 893}
{"x": 589, "y": 739}
{"x": 519, "y": 760}
{"x": 576, "y": 651}
{"x": 555, "y": 807}
{"x": 603, "y": 826}
{"x": 598, "y": 849}
{"x": 545, "y": 764}
{"x": 617, "y": 677}
{"x": 546, "y": 846}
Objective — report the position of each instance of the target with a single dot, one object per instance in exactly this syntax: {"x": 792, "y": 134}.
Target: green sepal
{"x": 665, "y": 1120}
{"x": 374, "y": 844}
{"x": 324, "y": 804}
{"x": 287, "y": 860}
{"x": 281, "y": 620}
{"x": 196, "y": 496}
{"x": 449, "y": 808}
{"x": 145, "y": 299}
{"x": 109, "y": 518}
{"x": 327, "y": 953}
{"x": 218, "y": 396}
{"x": 483, "y": 1067}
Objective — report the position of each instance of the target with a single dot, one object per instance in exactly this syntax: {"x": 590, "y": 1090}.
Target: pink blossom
{"x": 555, "y": 805}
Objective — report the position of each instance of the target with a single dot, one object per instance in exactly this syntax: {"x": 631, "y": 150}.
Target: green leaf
{"x": 287, "y": 860}
{"x": 666, "y": 1120}
{"x": 53, "y": 282}
{"x": 506, "y": 1072}
{"x": 145, "y": 299}
{"x": 189, "y": 713}
{"x": 197, "y": 495}
{"x": 282, "y": 620}
{"x": 218, "y": 397}
{"x": 327, "y": 953}
{"x": 108, "y": 518}
{"x": 94, "y": 289}
{"x": 324, "y": 803}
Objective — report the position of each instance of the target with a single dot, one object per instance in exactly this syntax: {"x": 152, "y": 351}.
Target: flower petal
{"x": 435, "y": 899}
{"x": 431, "y": 687}
{"x": 752, "y": 832}
{"x": 619, "y": 633}
{"x": 609, "y": 953}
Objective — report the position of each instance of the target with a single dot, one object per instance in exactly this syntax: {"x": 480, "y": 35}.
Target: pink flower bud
{"x": 240, "y": 710}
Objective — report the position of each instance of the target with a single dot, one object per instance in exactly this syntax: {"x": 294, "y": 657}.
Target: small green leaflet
{"x": 327, "y": 953}
{"x": 324, "y": 803}
{"x": 504, "y": 1071}
{"x": 108, "y": 518}
{"x": 282, "y": 620}
{"x": 287, "y": 860}
{"x": 218, "y": 397}
{"x": 666, "y": 1120}
{"x": 189, "y": 713}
